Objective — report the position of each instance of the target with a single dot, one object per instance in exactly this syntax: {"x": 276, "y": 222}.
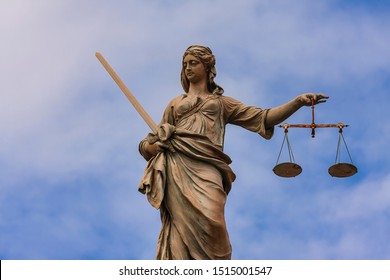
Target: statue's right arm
{"x": 148, "y": 150}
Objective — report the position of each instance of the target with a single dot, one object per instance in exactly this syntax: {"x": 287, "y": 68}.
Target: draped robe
{"x": 190, "y": 183}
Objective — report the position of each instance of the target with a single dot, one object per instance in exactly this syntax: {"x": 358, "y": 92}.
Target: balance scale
{"x": 292, "y": 169}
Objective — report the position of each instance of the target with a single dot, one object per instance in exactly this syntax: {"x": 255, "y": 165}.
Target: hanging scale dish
{"x": 287, "y": 169}
{"x": 342, "y": 169}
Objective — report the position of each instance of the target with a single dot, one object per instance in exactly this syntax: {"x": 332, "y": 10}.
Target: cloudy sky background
{"x": 69, "y": 162}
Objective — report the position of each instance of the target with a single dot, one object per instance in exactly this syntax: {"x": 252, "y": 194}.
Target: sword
{"x": 149, "y": 121}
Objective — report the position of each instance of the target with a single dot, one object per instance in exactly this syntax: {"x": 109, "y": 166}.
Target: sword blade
{"x": 146, "y": 117}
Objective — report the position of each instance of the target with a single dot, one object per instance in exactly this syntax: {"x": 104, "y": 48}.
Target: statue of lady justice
{"x": 188, "y": 175}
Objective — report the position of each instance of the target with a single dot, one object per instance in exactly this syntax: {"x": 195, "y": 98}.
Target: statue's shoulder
{"x": 226, "y": 97}
{"x": 178, "y": 98}
{"x": 228, "y": 100}
{"x": 174, "y": 101}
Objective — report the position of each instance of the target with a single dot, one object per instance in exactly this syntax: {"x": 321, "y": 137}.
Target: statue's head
{"x": 205, "y": 55}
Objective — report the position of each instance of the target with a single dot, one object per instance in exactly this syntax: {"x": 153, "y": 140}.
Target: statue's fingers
{"x": 322, "y": 96}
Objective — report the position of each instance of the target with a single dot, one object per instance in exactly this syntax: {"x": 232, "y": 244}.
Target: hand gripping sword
{"x": 149, "y": 121}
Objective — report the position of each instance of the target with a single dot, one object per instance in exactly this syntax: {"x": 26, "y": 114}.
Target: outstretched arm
{"x": 278, "y": 114}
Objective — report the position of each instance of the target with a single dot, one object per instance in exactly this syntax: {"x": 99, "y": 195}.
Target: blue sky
{"x": 69, "y": 162}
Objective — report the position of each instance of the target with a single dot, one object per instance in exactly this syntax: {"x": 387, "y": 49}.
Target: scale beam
{"x": 338, "y": 125}
{"x": 313, "y": 126}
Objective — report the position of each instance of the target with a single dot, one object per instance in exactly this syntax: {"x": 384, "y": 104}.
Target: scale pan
{"x": 342, "y": 170}
{"x": 287, "y": 169}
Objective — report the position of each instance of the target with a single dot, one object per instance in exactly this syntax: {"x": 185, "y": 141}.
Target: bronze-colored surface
{"x": 342, "y": 170}
{"x": 287, "y": 169}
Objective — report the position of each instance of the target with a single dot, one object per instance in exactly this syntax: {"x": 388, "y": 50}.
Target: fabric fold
{"x": 193, "y": 145}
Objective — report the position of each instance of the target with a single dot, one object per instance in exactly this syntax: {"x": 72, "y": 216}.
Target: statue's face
{"x": 194, "y": 69}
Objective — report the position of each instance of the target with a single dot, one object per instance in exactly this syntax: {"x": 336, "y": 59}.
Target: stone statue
{"x": 187, "y": 175}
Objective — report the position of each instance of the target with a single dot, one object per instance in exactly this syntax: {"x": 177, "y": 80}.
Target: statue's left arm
{"x": 279, "y": 114}
{"x": 248, "y": 117}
